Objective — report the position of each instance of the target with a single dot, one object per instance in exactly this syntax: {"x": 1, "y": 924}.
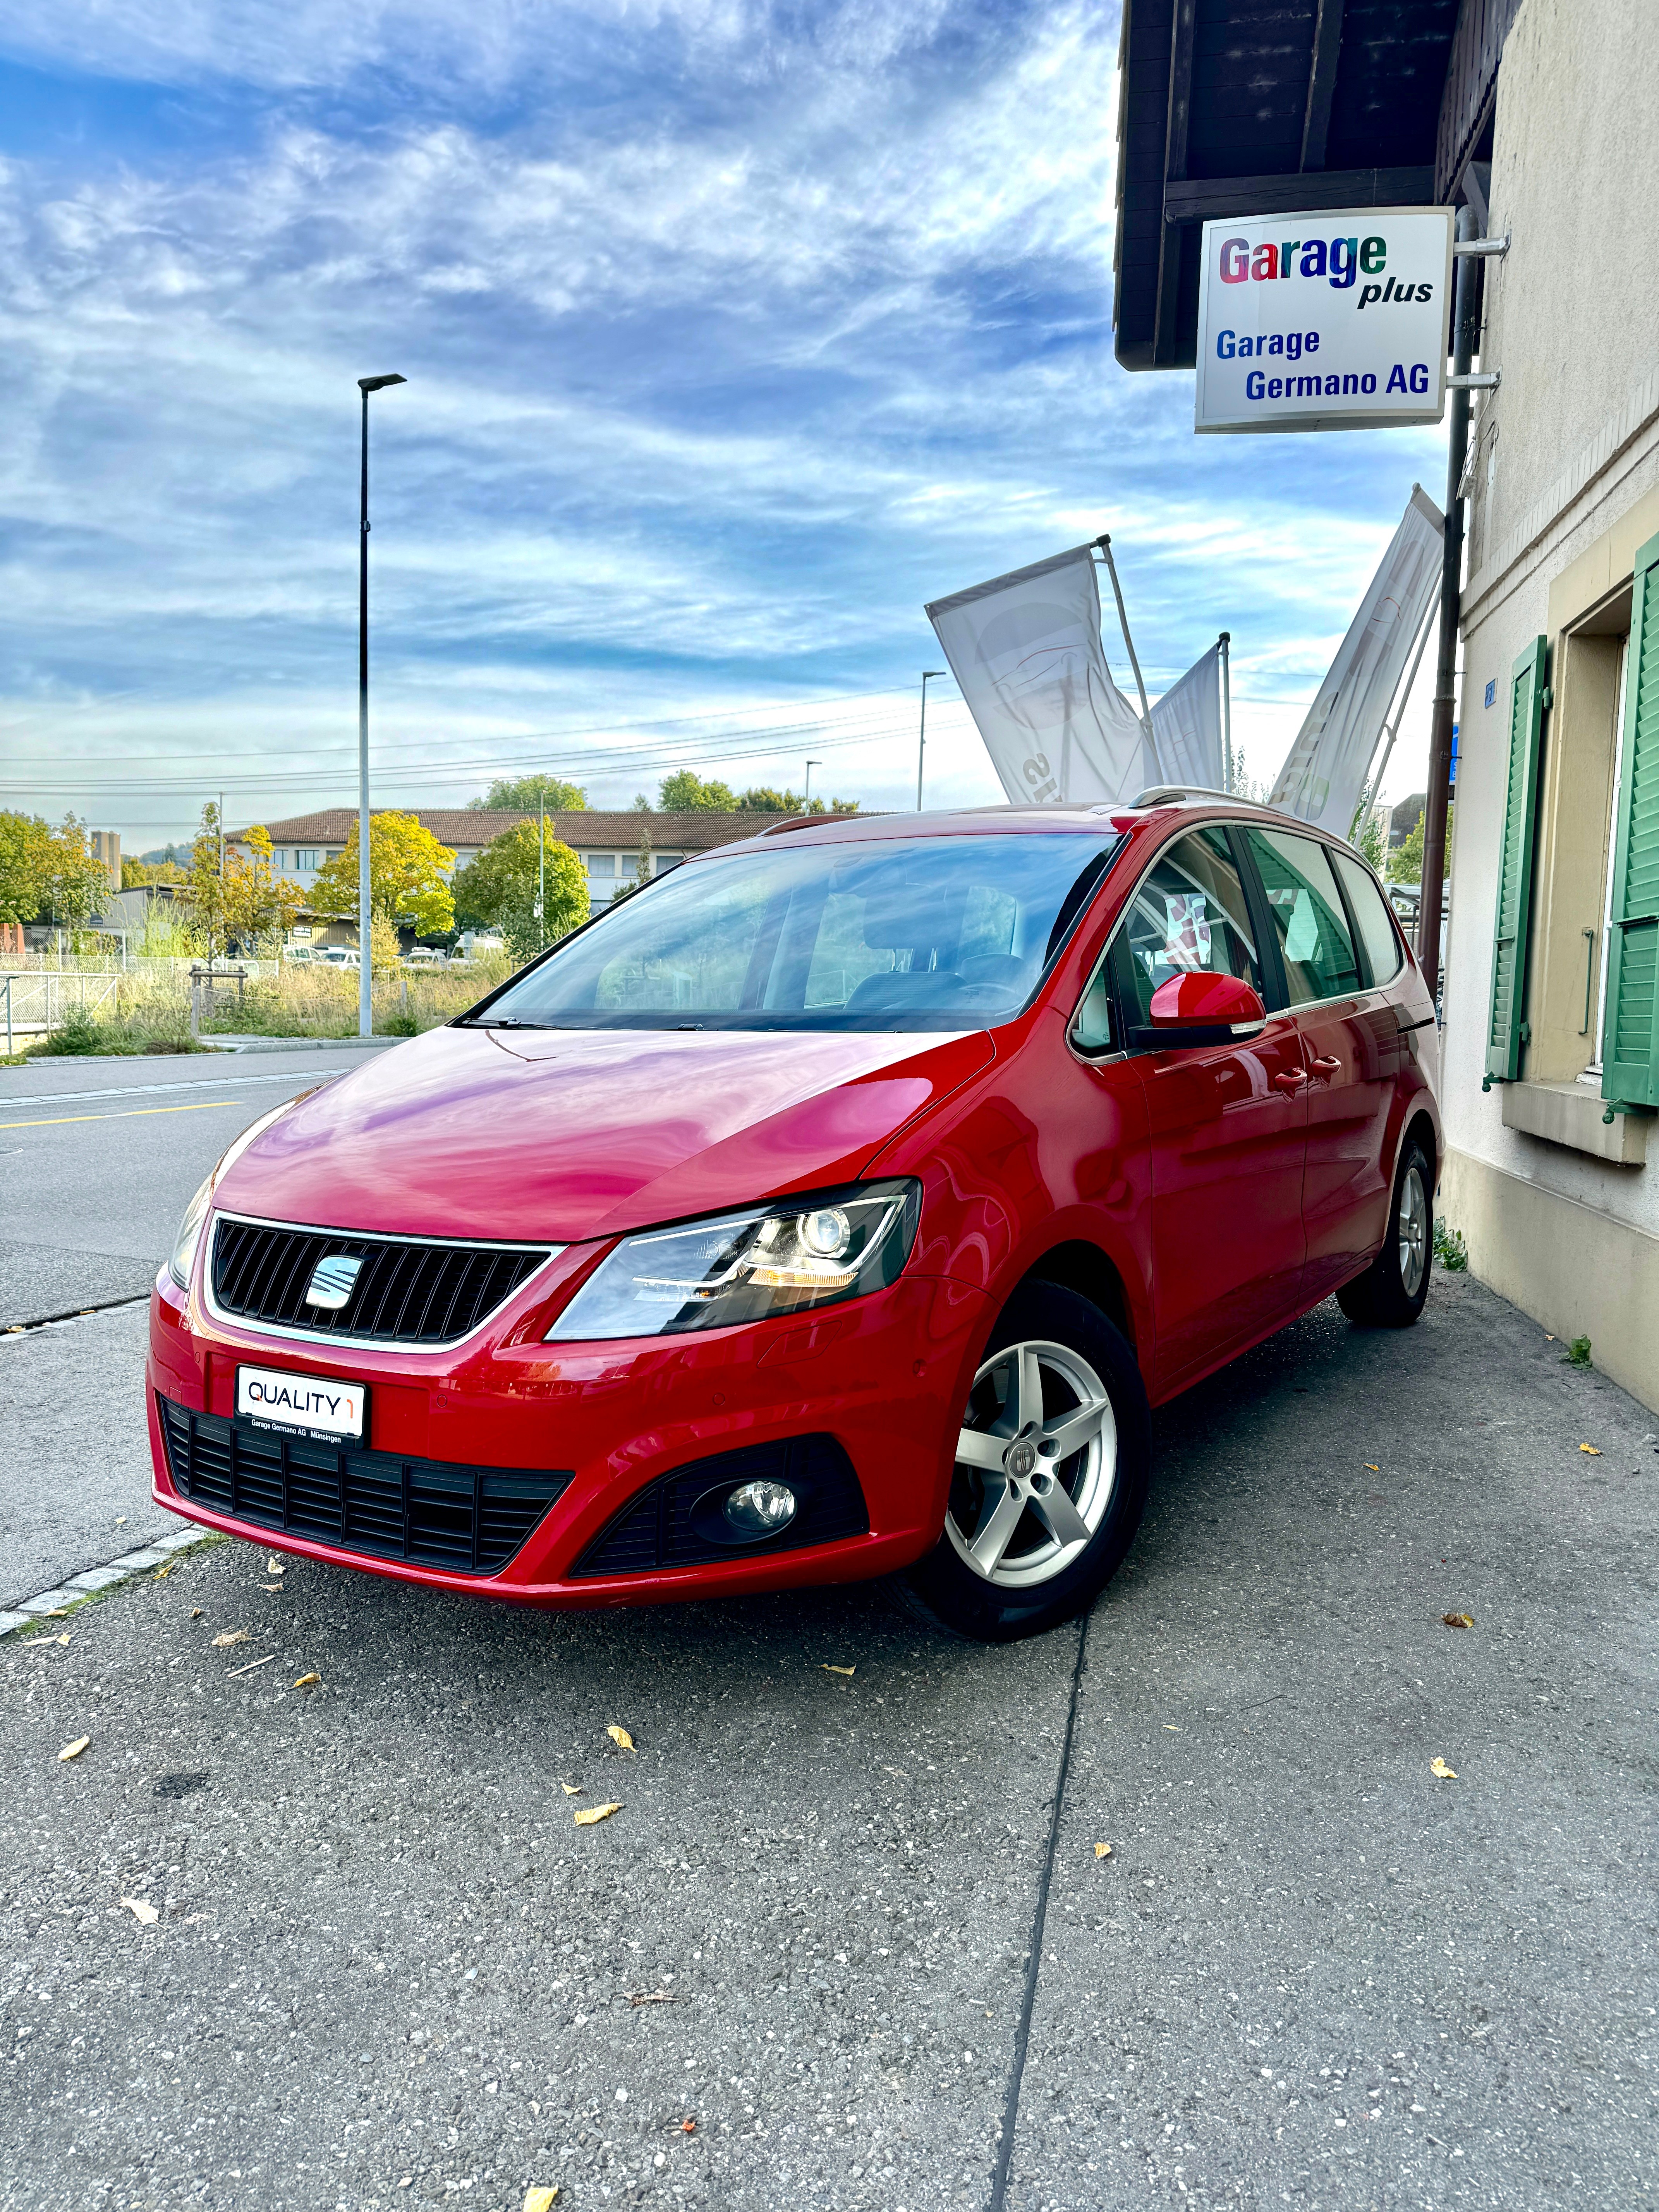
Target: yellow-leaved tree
{"x": 408, "y": 877}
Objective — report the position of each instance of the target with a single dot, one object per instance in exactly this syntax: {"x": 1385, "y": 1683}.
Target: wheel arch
{"x": 1080, "y": 1266}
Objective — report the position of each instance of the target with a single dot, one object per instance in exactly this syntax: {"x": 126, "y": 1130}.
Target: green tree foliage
{"x": 261, "y": 906}
{"x": 25, "y": 858}
{"x": 687, "y": 793}
{"x": 73, "y": 884}
{"x": 524, "y": 793}
{"x": 499, "y": 890}
{"x": 139, "y": 875}
{"x": 408, "y": 876}
{"x": 207, "y": 891}
{"x": 1406, "y": 861}
{"x": 765, "y": 798}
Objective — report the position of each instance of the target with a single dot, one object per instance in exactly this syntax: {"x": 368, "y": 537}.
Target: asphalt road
{"x": 386, "y": 1966}
{"x": 98, "y": 1159}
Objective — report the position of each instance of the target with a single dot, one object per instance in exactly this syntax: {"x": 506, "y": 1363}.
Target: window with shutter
{"x": 1509, "y": 968}
{"x": 1630, "y": 1058}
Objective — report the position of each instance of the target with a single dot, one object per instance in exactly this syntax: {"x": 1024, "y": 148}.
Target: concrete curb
{"x": 30, "y": 1612}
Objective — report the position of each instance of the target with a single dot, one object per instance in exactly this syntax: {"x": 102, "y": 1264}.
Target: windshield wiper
{"x": 501, "y": 1022}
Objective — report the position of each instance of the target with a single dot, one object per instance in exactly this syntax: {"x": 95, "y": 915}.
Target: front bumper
{"x": 884, "y": 1376}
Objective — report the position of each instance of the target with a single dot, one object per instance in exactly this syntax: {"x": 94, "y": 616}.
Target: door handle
{"x": 1290, "y": 1080}
{"x": 1328, "y": 1068}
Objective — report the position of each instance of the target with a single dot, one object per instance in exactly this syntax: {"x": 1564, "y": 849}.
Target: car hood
{"x": 570, "y": 1135}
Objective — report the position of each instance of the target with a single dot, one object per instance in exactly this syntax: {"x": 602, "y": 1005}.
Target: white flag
{"x": 1187, "y": 727}
{"x": 1025, "y": 649}
{"x": 1325, "y": 773}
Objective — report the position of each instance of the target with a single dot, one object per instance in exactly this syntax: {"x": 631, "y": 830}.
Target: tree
{"x": 686, "y": 792}
{"x": 642, "y": 803}
{"x": 408, "y": 876}
{"x": 526, "y": 793}
{"x": 763, "y": 798}
{"x": 258, "y": 902}
{"x": 1406, "y": 861}
{"x": 25, "y": 858}
{"x": 139, "y": 875}
{"x": 206, "y": 894}
{"x": 500, "y": 889}
{"x": 73, "y": 885}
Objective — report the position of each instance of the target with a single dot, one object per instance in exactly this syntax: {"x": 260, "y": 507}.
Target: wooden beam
{"x": 1211, "y": 199}
{"x": 1322, "y": 84}
{"x": 1175, "y": 171}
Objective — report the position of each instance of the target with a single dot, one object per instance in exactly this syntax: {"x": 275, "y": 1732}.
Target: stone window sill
{"x": 1570, "y": 1113}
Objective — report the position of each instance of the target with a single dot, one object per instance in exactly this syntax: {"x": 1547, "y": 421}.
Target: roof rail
{"x": 1160, "y": 793}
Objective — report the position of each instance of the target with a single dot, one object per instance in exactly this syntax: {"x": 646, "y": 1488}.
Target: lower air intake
{"x": 468, "y": 1519}
{"x": 660, "y": 1528}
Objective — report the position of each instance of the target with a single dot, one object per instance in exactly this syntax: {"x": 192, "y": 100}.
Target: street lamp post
{"x": 364, "y": 952}
{"x": 806, "y": 800}
{"x": 927, "y": 675}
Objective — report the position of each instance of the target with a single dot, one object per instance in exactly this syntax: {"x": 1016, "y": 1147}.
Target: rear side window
{"x": 1306, "y": 908}
{"x": 1371, "y": 911}
{"x": 1188, "y": 912}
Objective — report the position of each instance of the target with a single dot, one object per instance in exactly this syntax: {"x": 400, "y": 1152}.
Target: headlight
{"x": 743, "y": 1266}
{"x": 183, "y": 1255}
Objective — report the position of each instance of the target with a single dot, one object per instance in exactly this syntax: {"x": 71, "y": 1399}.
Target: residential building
{"x": 1537, "y": 115}
{"x": 609, "y": 846}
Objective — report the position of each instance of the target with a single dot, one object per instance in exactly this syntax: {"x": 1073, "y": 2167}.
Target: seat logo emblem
{"x": 333, "y": 1281}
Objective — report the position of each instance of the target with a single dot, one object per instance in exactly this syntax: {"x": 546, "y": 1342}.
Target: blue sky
{"x": 734, "y": 333}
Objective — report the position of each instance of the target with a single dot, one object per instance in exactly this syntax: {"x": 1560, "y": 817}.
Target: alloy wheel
{"x": 1413, "y": 1230}
{"x": 1036, "y": 1463}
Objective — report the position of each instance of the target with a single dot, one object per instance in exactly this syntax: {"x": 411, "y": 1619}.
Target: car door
{"x": 1351, "y": 1048}
{"x": 1226, "y": 1122}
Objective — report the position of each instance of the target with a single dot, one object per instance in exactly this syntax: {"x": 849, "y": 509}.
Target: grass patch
{"x": 1577, "y": 1353}
{"x": 1450, "y": 1251}
{"x": 158, "y": 1026}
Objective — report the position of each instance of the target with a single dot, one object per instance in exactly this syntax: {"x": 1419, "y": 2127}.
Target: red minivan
{"x": 836, "y": 1205}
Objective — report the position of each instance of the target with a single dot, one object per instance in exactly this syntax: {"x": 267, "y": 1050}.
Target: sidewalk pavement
{"x": 385, "y": 1964}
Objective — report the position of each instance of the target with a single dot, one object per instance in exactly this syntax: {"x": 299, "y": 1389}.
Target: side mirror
{"x": 1201, "y": 1008}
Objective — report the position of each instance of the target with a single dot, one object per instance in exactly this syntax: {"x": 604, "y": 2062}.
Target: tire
{"x": 1391, "y": 1291}
{"x": 999, "y": 1572}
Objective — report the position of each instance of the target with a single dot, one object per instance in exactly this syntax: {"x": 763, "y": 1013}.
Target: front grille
{"x": 654, "y": 1530}
{"x": 469, "y": 1520}
{"x": 404, "y": 1293}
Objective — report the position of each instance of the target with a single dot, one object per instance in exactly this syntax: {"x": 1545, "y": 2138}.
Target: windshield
{"x": 914, "y": 933}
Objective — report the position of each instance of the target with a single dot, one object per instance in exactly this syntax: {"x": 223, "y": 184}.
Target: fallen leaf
{"x": 307, "y": 1681}
{"x": 58, "y": 1612}
{"x": 1369, "y": 1469}
{"x": 272, "y": 1588}
{"x": 162, "y": 1573}
{"x": 196, "y": 1613}
{"x": 540, "y": 2200}
{"x": 1457, "y": 1620}
{"x": 653, "y": 1996}
{"x": 1595, "y": 1450}
{"x": 121, "y": 1518}
{"x": 570, "y": 1789}
{"x": 142, "y": 1911}
{"x": 249, "y": 1668}
{"x": 688, "y": 2127}
{"x": 619, "y": 1737}
{"x": 590, "y": 1815}
{"x": 231, "y": 1636}
{"x": 276, "y": 1566}
{"x": 1438, "y": 1767}
{"x": 1173, "y": 1729}
{"x": 40, "y": 1643}
{"x": 1103, "y": 1851}
{"x": 74, "y": 1750}
{"x": 840, "y": 1670}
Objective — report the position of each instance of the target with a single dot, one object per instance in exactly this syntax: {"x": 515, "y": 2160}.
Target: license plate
{"x": 304, "y": 1405}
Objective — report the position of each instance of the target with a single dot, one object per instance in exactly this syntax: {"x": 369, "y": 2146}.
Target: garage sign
{"x": 1328, "y": 321}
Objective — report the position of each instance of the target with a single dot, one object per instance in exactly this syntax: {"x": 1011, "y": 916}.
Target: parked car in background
{"x": 338, "y": 956}
{"x": 839, "y": 1206}
{"x": 425, "y": 955}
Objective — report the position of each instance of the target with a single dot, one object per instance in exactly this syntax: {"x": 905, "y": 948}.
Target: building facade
{"x": 1552, "y": 1026}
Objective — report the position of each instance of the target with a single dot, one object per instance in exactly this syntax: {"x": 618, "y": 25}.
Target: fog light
{"x": 760, "y": 1508}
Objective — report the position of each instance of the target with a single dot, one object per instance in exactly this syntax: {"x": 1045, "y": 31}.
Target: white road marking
{"x": 143, "y": 1090}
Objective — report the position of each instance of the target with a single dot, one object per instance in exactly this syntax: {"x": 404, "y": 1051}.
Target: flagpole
{"x": 1225, "y": 642}
{"x": 1105, "y": 545}
{"x": 1405, "y": 696}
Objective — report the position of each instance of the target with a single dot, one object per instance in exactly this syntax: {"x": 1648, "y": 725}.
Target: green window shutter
{"x": 1630, "y": 1060}
{"x": 1509, "y": 966}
